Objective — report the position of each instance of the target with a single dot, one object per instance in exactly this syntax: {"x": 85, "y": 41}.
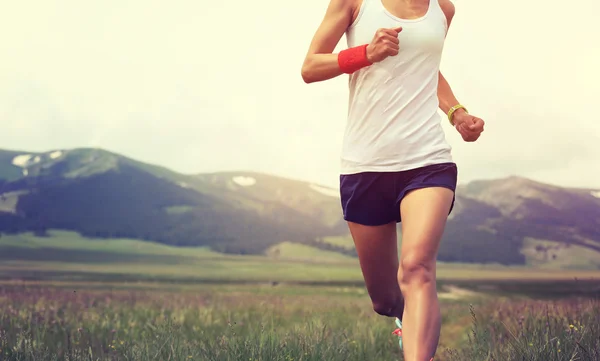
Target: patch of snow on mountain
{"x": 596, "y": 194}
{"x": 244, "y": 181}
{"x": 324, "y": 190}
{"x": 55, "y": 154}
{"x": 26, "y": 160}
{"x": 21, "y": 160}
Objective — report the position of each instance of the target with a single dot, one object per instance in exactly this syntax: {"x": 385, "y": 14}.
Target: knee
{"x": 387, "y": 307}
{"x": 416, "y": 270}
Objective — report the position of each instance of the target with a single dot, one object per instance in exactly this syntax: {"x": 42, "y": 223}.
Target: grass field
{"x": 44, "y": 321}
{"x": 340, "y": 241}
{"x": 68, "y": 298}
{"x": 67, "y": 252}
{"x": 65, "y": 256}
{"x": 295, "y": 251}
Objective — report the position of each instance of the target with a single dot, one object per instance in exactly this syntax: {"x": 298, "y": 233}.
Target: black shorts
{"x": 373, "y": 198}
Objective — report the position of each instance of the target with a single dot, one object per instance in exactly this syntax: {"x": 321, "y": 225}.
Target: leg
{"x": 377, "y": 250}
{"x": 369, "y": 206}
{"x": 424, "y": 214}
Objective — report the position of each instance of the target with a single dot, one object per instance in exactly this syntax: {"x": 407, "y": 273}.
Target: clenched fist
{"x": 385, "y": 43}
{"x": 469, "y": 127}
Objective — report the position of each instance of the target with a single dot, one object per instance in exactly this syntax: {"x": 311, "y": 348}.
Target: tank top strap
{"x": 436, "y": 10}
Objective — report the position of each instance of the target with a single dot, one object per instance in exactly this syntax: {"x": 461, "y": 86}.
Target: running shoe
{"x": 398, "y": 332}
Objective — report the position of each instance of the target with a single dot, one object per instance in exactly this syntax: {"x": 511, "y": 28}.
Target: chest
{"x": 408, "y": 11}
{"x": 423, "y": 24}
{"x": 426, "y": 36}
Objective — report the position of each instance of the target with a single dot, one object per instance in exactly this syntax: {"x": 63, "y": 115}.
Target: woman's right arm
{"x": 320, "y": 64}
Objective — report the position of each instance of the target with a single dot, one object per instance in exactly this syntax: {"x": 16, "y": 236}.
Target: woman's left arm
{"x": 468, "y": 126}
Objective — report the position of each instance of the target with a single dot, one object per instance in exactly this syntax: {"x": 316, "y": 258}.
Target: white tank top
{"x": 393, "y": 120}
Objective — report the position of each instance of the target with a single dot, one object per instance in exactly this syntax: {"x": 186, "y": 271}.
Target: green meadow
{"x": 65, "y": 297}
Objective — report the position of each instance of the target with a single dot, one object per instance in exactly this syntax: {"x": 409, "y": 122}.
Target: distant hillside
{"x": 513, "y": 215}
{"x": 541, "y": 210}
{"x": 317, "y": 202}
{"x": 103, "y": 194}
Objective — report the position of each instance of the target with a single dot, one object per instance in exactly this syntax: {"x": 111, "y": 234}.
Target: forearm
{"x": 445, "y": 95}
{"x": 320, "y": 63}
{"x": 320, "y": 67}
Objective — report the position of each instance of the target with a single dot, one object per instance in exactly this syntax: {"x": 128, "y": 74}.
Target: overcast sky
{"x": 203, "y": 86}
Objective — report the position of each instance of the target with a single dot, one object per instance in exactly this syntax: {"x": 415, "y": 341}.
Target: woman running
{"x": 396, "y": 165}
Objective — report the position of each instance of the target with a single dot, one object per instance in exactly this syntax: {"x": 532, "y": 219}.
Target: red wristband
{"x": 353, "y": 59}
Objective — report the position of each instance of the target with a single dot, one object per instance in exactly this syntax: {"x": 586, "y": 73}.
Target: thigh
{"x": 368, "y": 198}
{"x": 424, "y": 214}
{"x": 377, "y": 249}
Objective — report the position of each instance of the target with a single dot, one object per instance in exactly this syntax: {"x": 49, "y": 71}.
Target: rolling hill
{"x": 102, "y": 194}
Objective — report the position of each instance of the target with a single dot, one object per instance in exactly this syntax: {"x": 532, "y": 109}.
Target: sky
{"x": 206, "y": 86}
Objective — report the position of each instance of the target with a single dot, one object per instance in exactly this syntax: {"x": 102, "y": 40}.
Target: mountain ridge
{"x": 276, "y": 175}
{"x": 510, "y": 220}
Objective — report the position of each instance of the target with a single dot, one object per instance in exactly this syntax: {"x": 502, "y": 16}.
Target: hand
{"x": 385, "y": 43}
{"x": 469, "y": 127}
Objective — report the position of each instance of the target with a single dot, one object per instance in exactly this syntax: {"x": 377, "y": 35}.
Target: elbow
{"x": 307, "y": 72}
{"x": 306, "y": 75}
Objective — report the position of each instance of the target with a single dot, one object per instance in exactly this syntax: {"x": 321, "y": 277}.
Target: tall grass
{"x": 44, "y": 323}
{"x": 534, "y": 330}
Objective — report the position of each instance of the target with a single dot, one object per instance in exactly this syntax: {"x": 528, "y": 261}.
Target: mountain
{"x": 532, "y": 222}
{"x": 103, "y": 194}
{"x": 541, "y": 210}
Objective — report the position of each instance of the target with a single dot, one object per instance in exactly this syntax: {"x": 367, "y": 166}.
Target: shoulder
{"x": 448, "y": 9}
{"x": 344, "y": 7}
{"x": 349, "y": 8}
{"x": 344, "y": 4}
